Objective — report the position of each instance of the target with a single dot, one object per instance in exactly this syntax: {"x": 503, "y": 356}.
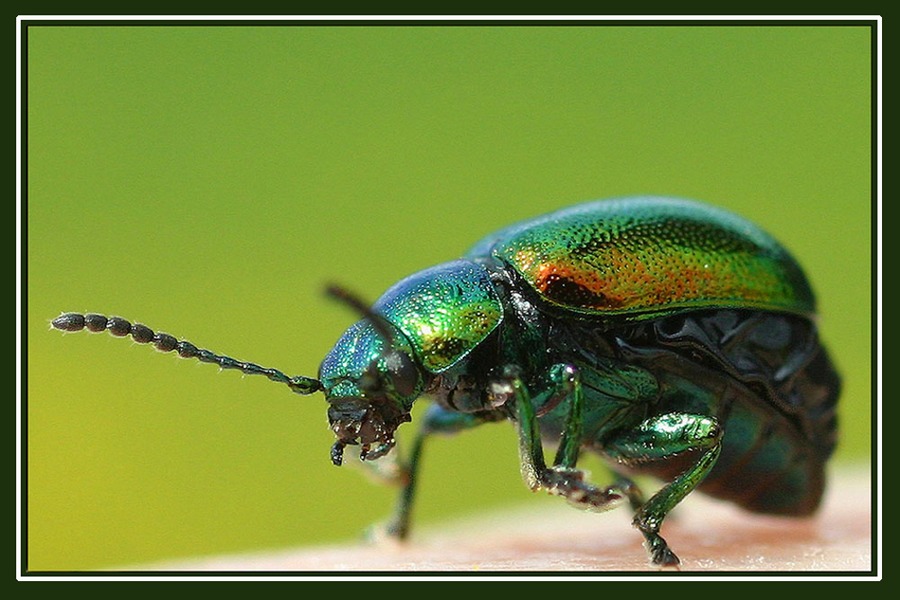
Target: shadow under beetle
{"x": 672, "y": 338}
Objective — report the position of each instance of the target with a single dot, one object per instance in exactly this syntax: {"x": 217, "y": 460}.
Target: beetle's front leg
{"x": 658, "y": 438}
{"x": 562, "y": 478}
{"x": 437, "y": 420}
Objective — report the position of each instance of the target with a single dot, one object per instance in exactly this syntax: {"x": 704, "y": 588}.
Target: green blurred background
{"x": 208, "y": 181}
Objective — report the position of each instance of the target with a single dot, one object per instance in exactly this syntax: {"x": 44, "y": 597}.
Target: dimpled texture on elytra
{"x": 647, "y": 256}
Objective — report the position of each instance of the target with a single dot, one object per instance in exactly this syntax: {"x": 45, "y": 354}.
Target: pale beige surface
{"x": 707, "y": 535}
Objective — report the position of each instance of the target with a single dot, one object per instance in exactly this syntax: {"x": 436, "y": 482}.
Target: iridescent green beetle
{"x": 672, "y": 338}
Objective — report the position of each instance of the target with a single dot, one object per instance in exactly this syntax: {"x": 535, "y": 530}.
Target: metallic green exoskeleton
{"x": 672, "y": 338}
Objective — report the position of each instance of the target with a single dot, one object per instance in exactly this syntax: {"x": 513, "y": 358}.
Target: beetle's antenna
{"x": 164, "y": 342}
{"x": 356, "y": 303}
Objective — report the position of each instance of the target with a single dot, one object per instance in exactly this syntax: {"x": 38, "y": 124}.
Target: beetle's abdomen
{"x": 771, "y": 385}
{"x": 643, "y": 257}
{"x": 764, "y": 376}
{"x": 767, "y": 464}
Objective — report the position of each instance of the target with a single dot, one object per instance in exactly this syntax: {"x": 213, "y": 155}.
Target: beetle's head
{"x": 420, "y": 327}
{"x": 370, "y": 379}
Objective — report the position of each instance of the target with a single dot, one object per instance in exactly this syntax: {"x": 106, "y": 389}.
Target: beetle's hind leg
{"x": 658, "y": 438}
{"x": 562, "y": 478}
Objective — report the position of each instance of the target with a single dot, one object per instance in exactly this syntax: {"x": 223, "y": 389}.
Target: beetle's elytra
{"x": 670, "y": 337}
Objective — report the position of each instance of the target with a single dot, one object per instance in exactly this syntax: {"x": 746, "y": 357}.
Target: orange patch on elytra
{"x": 547, "y": 273}
{"x": 620, "y": 278}
{"x": 577, "y": 285}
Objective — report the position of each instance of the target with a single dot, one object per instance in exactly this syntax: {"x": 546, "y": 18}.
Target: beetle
{"x": 672, "y": 338}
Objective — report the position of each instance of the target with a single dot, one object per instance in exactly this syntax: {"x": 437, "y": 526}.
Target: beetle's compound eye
{"x": 404, "y": 374}
{"x": 371, "y": 381}
{"x": 395, "y": 375}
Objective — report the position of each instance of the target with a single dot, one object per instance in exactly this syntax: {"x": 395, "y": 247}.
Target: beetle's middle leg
{"x": 562, "y": 478}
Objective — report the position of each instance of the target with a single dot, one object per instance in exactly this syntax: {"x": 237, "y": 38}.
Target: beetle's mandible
{"x": 672, "y": 338}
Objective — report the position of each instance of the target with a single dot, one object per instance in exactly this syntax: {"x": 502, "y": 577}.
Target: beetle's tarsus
{"x": 660, "y": 554}
{"x": 561, "y": 479}
{"x": 570, "y": 484}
